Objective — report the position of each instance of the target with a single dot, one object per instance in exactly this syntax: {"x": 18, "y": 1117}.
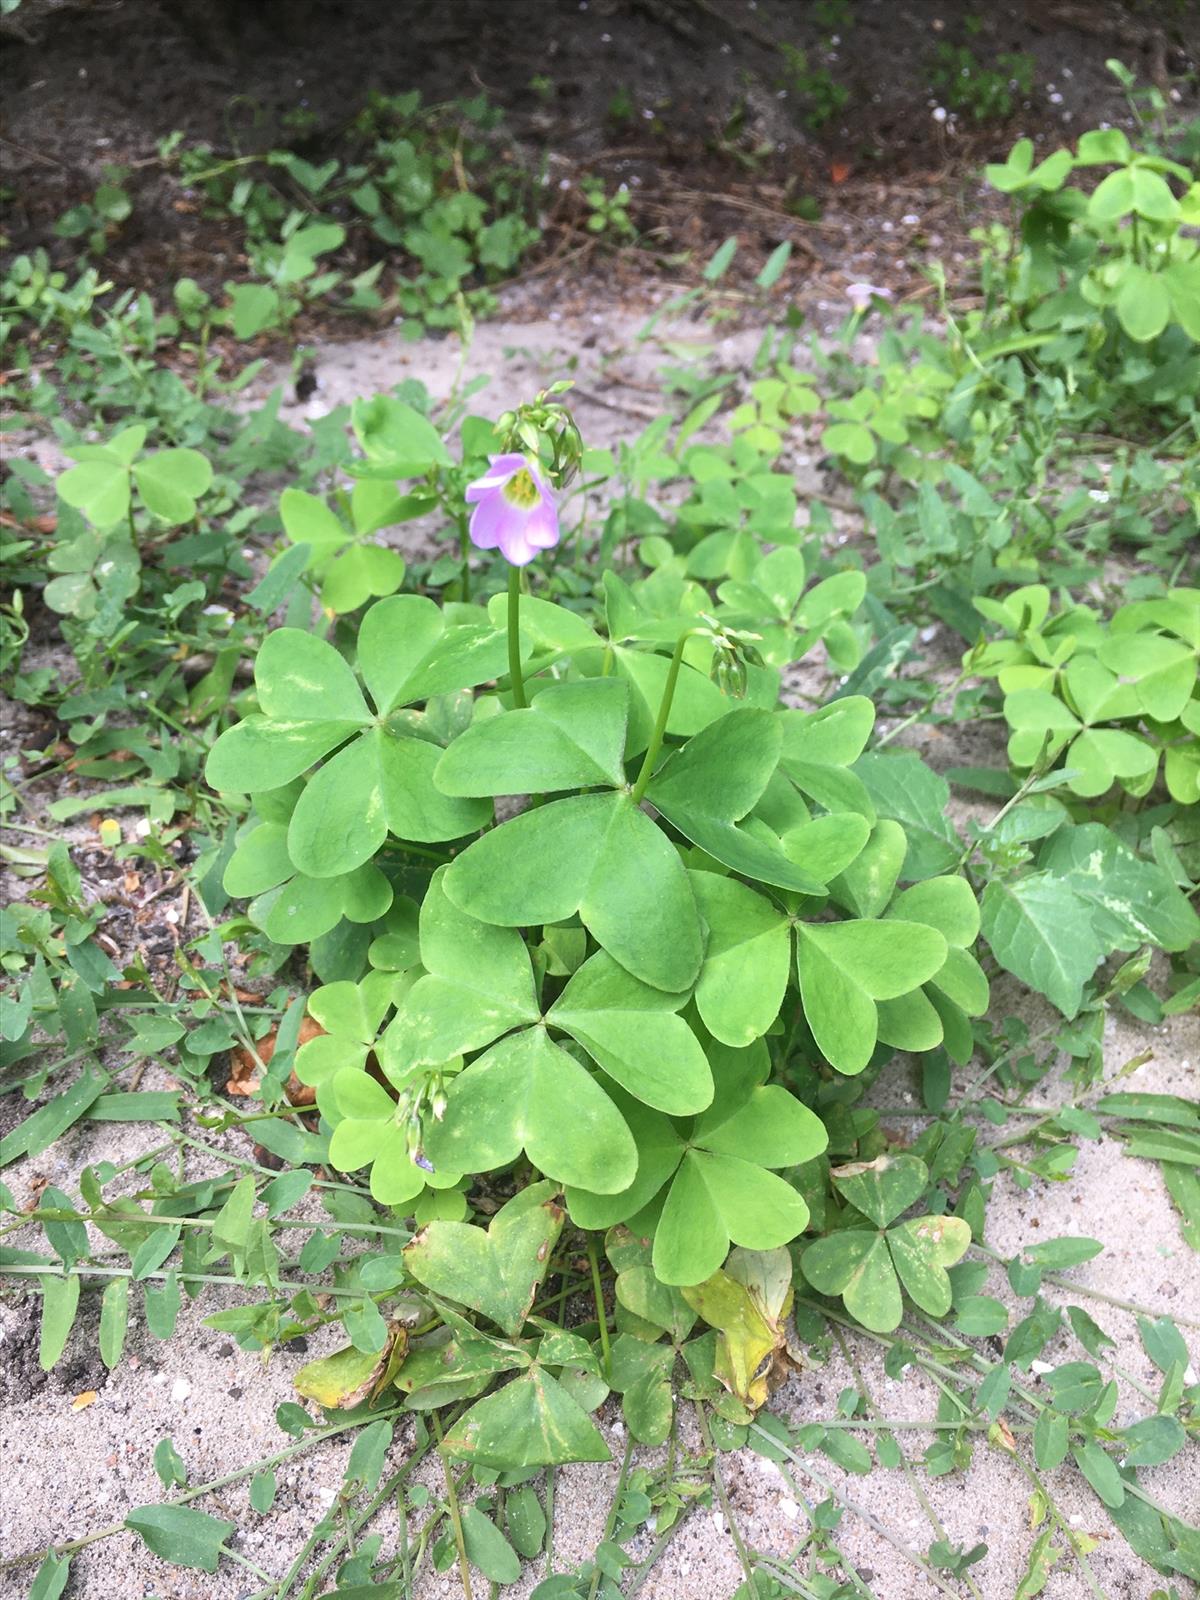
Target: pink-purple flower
{"x": 514, "y": 509}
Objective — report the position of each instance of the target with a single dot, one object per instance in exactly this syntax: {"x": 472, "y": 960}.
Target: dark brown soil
{"x": 689, "y": 101}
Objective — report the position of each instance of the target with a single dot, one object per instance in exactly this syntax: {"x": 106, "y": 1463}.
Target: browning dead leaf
{"x": 348, "y": 1377}
{"x": 243, "y": 1068}
{"x": 748, "y": 1303}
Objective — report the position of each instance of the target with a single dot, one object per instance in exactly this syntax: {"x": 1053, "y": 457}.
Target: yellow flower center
{"x": 521, "y": 491}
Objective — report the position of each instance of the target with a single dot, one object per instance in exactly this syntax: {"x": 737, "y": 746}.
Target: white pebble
{"x": 180, "y": 1390}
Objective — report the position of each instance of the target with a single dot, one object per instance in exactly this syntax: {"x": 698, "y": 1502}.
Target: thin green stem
{"x": 610, "y": 1521}
{"x": 464, "y": 550}
{"x": 551, "y": 1475}
{"x": 452, "y": 1499}
{"x": 514, "y": 638}
{"x": 743, "y": 1554}
{"x": 1077, "y": 1550}
{"x": 200, "y": 1489}
{"x": 601, "y": 1312}
{"x": 856, "y": 1510}
{"x": 660, "y": 724}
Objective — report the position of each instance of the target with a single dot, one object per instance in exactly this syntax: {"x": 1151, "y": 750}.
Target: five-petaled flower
{"x": 514, "y": 509}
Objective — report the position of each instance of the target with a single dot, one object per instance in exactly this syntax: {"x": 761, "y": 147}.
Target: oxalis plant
{"x": 607, "y": 926}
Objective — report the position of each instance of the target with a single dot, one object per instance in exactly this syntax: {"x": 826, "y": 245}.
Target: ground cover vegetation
{"x": 568, "y": 884}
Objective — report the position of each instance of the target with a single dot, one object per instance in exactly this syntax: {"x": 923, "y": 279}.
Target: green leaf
{"x": 599, "y": 856}
{"x": 100, "y": 489}
{"x": 947, "y": 904}
{"x": 162, "y": 1303}
{"x": 51, "y": 1577}
{"x": 487, "y": 1548}
{"x": 845, "y": 967}
{"x": 181, "y": 1536}
{"x": 1055, "y": 1254}
{"x": 746, "y": 959}
{"x": 1039, "y": 930}
{"x": 769, "y": 1126}
{"x": 478, "y": 984}
{"x": 114, "y": 1320}
{"x": 310, "y": 703}
{"x": 382, "y": 781}
{"x": 308, "y": 520}
{"x": 498, "y": 1272}
{"x": 408, "y": 653}
{"x": 525, "y": 1521}
{"x": 395, "y": 435}
{"x": 850, "y": 439}
{"x": 1143, "y": 304}
{"x": 904, "y": 788}
{"x": 60, "y": 1302}
{"x": 263, "y": 1489}
{"x": 659, "y": 1147}
{"x": 833, "y": 736}
{"x": 632, "y": 1032}
{"x": 922, "y": 1249}
{"x": 1103, "y": 147}
{"x": 571, "y": 736}
{"x": 1131, "y": 901}
{"x": 39, "y": 1131}
{"x": 358, "y": 574}
{"x": 530, "y": 1422}
{"x": 866, "y": 886}
{"x": 171, "y": 481}
{"x": 858, "y": 1267}
{"x": 254, "y": 307}
{"x": 1152, "y": 1441}
{"x": 1112, "y": 197}
{"x": 1101, "y": 1472}
{"x": 260, "y": 861}
{"x": 1050, "y": 1439}
{"x": 529, "y": 1094}
{"x": 641, "y": 1373}
{"x": 696, "y": 703}
{"x": 716, "y": 1200}
{"x": 712, "y": 783}
{"x": 883, "y": 1188}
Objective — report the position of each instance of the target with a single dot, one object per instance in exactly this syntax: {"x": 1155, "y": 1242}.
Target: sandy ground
{"x": 64, "y": 1473}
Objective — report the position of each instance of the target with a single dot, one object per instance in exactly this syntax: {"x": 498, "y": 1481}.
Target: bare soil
{"x": 694, "y": 104}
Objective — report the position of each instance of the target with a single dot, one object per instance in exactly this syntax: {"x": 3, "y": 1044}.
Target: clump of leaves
{"x": 1118, "y": 701}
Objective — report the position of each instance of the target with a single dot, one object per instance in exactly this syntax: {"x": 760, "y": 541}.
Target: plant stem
{"x": 464, "y": 548}
{"x": 726, "y": 1509}
{"x": 315, "y": 1438}
{"x": 856, "y": 1510}
{"x": 514, "y": 638}
{"x": 611, "y": 1520}
{"x": 660, "y": 724}
{"x": 451, "y": 1492}
{"x": 601, "y": 1312}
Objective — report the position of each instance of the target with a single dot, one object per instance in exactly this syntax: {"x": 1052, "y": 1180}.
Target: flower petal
{"x": 541, "y": 530}
{"x": 501, "y": 470}
{"x": 488, "y": 521}
{"x": 515, "y": 547}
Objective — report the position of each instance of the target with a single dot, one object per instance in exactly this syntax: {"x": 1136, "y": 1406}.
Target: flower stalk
{"x": 660, "y": 722}
{"x": 514, "y": 638}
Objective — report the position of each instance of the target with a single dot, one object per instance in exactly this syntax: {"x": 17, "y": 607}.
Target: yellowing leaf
{"x": 747, "y": 1303}
{"x": 348, "y": 1377}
